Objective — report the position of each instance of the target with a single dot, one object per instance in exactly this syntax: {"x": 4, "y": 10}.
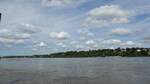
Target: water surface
{"x": 99, "y": 70}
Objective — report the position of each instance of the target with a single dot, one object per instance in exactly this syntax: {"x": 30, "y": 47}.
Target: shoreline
{"x": 71, "y": 57}
{"x": 120, "y": 52}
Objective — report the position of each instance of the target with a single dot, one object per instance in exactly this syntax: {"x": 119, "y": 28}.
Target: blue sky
{"x": 46, "y": 26}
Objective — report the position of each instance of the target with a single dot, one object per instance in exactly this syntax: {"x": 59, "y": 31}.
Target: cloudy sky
{"x": 46, "y": 26}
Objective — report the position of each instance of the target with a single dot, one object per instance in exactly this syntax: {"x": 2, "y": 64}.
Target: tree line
{"x": 123, "y": 52}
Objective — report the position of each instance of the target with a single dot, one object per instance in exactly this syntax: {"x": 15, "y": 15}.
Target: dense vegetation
{"x": 128, "y": 52}
{"x": 123, "y": 52}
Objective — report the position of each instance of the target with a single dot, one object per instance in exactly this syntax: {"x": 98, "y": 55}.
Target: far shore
{"x": 119, "y": 52}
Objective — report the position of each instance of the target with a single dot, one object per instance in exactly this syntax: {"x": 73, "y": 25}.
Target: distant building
{"x": 138, "y": 50}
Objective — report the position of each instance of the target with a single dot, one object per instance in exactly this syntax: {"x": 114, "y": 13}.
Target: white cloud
{"x": 62, "y": 45}
{"x": 147, "y": 38}
{"x": 120, "y": 43}
{"x": 59, "y": 35}
{"x": 85, "y": 32}
{"x": 27, "y": 28}
{"x": 131, "y": 44}
{"x": 56, "y": 3}
{"x": 107, "y": 15}
{"x": 120, "y": 20}
{"x": 41, "y": 44}
{"x": 112, "y": 42}
{"x": 16, "y": 33}
{"x": 8, "y": 40}
{"x": 79, "y": 46}
{"x": 91, "y": 43}
{"x": 16, "y": 36}
{"x": 109, "y": 11}
{"x": 121, "y": 31}
{"x": 93, "y": 22}
{"x": 73, "y": 42}
{"x": 4, "y": 31}
{"x": 62, "y": 3}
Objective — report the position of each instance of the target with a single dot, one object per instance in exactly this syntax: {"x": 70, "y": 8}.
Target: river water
{"x": 99, "y": 70}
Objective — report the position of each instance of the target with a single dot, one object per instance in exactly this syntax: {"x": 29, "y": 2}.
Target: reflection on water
{"x": 107, "y": 70}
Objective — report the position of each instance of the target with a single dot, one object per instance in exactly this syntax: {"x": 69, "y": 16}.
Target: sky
{"x": 47, "y": 26}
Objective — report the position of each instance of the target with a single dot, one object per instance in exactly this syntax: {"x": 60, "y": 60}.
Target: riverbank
{"x": 121, "y": 52}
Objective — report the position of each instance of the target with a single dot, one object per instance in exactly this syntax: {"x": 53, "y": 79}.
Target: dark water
{"x": 107, "y": 70}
